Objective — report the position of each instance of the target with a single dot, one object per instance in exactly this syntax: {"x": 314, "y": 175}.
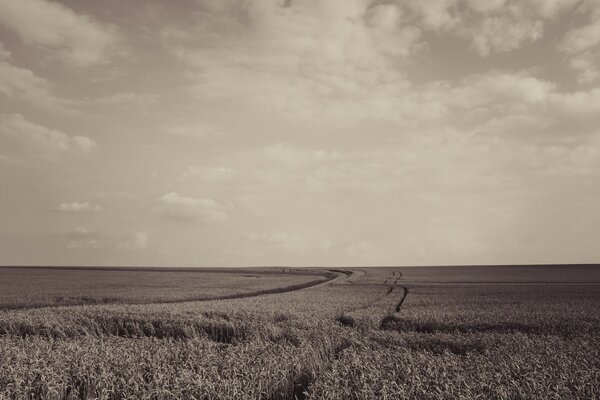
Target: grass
{"x": 340, "y": 341}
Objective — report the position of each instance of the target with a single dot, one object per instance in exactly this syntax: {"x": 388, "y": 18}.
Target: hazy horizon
{"x": 299, "y": 133}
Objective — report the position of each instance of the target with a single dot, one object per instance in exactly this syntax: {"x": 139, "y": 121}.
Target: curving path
{"x": 343, "y": 275}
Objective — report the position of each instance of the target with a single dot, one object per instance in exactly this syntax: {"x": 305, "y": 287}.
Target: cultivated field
{"x": 371, "y": 333}
{"x": 38, "y": 287}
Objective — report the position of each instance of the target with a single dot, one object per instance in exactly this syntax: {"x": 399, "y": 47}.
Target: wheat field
{"x": 370, "y": 333}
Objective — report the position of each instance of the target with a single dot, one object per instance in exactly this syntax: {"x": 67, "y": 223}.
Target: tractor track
{"x": 396, "y": 276}
{"x": 339, "y": 277}
{"x": 404, "y": 295}
{"x": 391, "y": 287}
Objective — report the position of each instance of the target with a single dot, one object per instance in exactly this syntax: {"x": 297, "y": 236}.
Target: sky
{"x": 299, "y": 132}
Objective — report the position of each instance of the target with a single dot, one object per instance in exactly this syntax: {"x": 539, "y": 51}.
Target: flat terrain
{"x": 37, "y": 287}
{"x": 370, "y": 333}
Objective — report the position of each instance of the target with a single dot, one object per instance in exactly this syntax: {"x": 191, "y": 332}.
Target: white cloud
{"x": 297, "y": 156}
{"x": 40, "y": 141}
{"x": 23, "y": 85}
{"x": 78, "y": 207}
{"x": 503, "y": 33}
{"x": 140, "y": 99}
{"x": 306, "y": 61}
{"x": 509, "y": 91}
{"x": 79, "y": 232}
{"x": 138, "y": 242}
{"x": 11, "y": 160}
{"x": 208, "y": 173}
{"x": 75, "y": 39}
{"x": 548, "y": 9}
{"x": 83, "y": 144}
{"x": 554, "y": 118}
{"x": 197, "y": 130}
{"x": 436, "y": 14}
{"x": 347, "y": 65}
{"x": 362, "y": 251}
{"x": 83, "y": 244}
{"x": 173, "y": 198}
{"x": 390, "y": 33}
{"x": 322, "y": 119}
{"x": 141, "y": 241}
{"x": 292, "y": 242}
{"x": 582, "y": 38}
{"x": 492, "y": 26}
{"x": 4, "y": 54}
{"x": 175, "y": 206}
{"x": 485, "y": 7}
{"x": 581, "y": 105}
{"x": 581, "y": 45}
{"x": 586, "y": 68}
{"x": 81, "y": 238}
{"x": 455, "y": 241}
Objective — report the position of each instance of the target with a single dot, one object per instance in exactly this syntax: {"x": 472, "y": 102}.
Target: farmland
{"x": 397, "y": 333}
{"x": 37, "y": 287}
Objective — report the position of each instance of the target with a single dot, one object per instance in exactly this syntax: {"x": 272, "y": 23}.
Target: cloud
{"x": 390, "y": 33}
{"x": 23, "y": 85}
{"x": 521, "y": 107}
{"x": 496, "y": 27}
{"x": 40, "y": 141}
{"x": 498, "y": 92}
{"x": 363, "y": 251}
{"x": 454, "y": 241}
{"x": 312, "y": 170}
{"x": 4, "y": 54}
{"x": 349, "y": 120}
{"x": 577, "y": 111}
{"x": 547, "y": 9}
{"x": 140, "y": 99}
{"x": 11, "y": 160}
{"x": 138, "y": 242}
{"x": 291, "y": 242}
{"x": 349, "y": 63}
{"x": 77, "y": 207}
{"x": 302, "y": 61}
{"x": 208, "y": 173}
{"x": 586, "y": 68}
{"x": 581, "y": 45}
{"x": 502, "y": 34}
{"x": 492, "y": 26}
{"x": 195, "y": 130}
{"x": 75, "y": 39}
{"x": 582, "y": 38}
{"x": 436, "y": 15}
{"x": 81, "y": 238}
{"x": 83, "y": 244}
{"x": 297, "y": 156}
{"x": 141, "y": 241}
{"x": 175, "y": 206}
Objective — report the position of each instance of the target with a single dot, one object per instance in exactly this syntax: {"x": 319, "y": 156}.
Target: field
{"x": 370, "y": 333}
{"x": 37, "y": 287}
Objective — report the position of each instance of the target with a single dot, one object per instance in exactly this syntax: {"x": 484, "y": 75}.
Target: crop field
{"x": 369, "y": 333}
{"x": 36, "y": 287}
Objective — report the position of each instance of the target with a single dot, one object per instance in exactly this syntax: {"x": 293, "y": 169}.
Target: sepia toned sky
{"x": 299, "y": 132}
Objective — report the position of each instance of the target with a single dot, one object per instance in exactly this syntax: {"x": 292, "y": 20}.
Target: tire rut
{"x": 404, "y": 295}
{"x": 396, "y": 276}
